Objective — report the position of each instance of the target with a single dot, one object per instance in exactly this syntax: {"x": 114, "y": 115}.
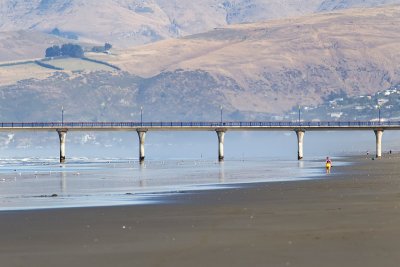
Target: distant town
{"x": 384, "y": 105}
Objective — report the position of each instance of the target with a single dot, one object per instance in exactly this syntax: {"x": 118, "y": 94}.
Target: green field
{"x": 15, "y": 73}
{"x": 77, "y": 64}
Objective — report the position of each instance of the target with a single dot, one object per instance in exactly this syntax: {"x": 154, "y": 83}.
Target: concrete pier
{"x": 221, "y": 137}
{"x": 378, "y": 135}
{"x": 62, "y": 136}
{"x": 203, "y": 126}
{"x": 142, "y": 136}
{"x": 300, "y": 137}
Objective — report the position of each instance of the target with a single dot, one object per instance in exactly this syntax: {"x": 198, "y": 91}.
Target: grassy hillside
{"x": 13, "y": 74}
{"x": 282, "y": 63}
{"x": 22, "y": 45}
{"x": 250, "y": 69}
{"x": 330, "y": 5}
{"x": 126, "y": 23}
{"x": 16, "y": 71}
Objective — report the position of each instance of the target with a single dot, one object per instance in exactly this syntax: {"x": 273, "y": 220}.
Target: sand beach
{"x": 348, "y": 218}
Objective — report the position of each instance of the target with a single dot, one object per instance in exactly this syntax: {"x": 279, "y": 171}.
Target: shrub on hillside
{"x": 68, "y": 35}
{"x": 67, "y": 50}
{"x": 72, "y": 50}
{"x": 107, "y": 46}
{"x": 53, "y": 51}
{"x": 101, "y": 49}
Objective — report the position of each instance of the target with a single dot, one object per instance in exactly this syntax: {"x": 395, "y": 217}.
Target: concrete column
{"x": 221, "y": 136}
{"x": 378, "y": 135}
{"x": 142, "y": 136}
{"x": 300, "y": 136}
{"x": 62, "y": 136}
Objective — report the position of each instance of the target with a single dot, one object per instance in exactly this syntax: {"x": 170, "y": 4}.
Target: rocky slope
{"x": 131, "y": 22}
{"x": 279, "y": 64}
{"x": 330, "y": 5}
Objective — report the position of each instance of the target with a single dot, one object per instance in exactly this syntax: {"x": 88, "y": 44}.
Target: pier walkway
{"x": 219, "y": 127}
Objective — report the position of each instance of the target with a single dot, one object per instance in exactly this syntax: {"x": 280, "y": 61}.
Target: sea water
{"x": 34, "y": 183}
{"x": 176, "y": 163}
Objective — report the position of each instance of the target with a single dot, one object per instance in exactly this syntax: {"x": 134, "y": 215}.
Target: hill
{"x": 331, "y": 5}
{"x": 23, "y": 45}
{"x": 126, "y": 23}
{"x": 16, "y": 71}
{"x": 282, "y": 63}
{"x": 252, "y": 70}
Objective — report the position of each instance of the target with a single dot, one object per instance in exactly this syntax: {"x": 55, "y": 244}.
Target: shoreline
{"x": 148, "y": 189}
{"x": 350, "y": 219}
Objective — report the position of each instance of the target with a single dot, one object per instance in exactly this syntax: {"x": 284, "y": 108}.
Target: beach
{"x": 348, "y": 218}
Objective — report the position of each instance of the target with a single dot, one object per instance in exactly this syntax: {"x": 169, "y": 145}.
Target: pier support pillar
{"x": 142, "y": 136}
{"x": 378, "y": 135}
{"x": 62, "y": 136}
{"x": 221, "y": 136}
{"x": 300, "y": 137}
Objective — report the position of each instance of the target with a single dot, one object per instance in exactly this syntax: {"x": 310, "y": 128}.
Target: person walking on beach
{"x": 328, "y": 165}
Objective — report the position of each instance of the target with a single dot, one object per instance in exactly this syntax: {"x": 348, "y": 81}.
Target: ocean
{"x": 41, "y": 183}
{"x": 175, "y": 163}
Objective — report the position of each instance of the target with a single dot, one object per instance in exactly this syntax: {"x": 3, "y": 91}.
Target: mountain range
{"x": 284, "y": 62}
{"x": 132, "y": 22}
{"x": 299, "y": 54}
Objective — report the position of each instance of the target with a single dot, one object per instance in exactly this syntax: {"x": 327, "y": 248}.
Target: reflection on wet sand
{"x": 104, "y": 182}
{"x": 301, "y": 164}
{"x": 221, "y": 172}
{"x": 142, "y": 175}
{"x": 63, "y": 179}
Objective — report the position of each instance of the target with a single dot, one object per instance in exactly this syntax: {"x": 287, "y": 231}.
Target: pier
{"x": 221, "y": 128}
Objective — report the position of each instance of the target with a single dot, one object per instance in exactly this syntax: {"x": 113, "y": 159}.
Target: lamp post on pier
{"x": 299, "y": 115}
{"x": 379, "y": 113}
{"x": 141, "y": 116}
{"x": 221, "y": 113}
{"x": 62, "y": 115}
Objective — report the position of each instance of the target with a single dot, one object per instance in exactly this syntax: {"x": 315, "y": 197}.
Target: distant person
{"x": 367, "y": 153}
{"x": 328, "y": 165}
{"x": 390, "y": 151}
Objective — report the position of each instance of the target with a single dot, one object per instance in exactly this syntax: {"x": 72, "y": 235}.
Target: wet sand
{"x": 348, "y": 218}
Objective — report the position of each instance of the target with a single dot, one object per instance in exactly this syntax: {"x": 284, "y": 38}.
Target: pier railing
{"x": 246, "y": 124}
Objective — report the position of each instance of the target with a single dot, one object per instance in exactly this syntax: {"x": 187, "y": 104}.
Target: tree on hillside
{"x": 97, "y": 49}
{"x": 107, "y": 46}
{"x": 53, "y": 51}
{"x": 66, "y": 50}
{"x": 68, "y": 35}
{"x": 101, "y": 49}
{"x": 72, "y": 50}
{"x": 56, "y": 31}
